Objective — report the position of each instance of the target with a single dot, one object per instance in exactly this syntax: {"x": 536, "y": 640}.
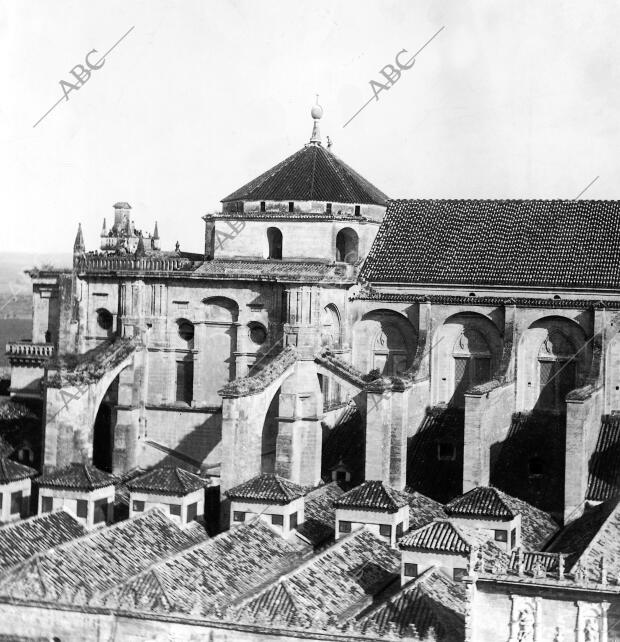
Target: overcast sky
{"x": 511, "y": 100}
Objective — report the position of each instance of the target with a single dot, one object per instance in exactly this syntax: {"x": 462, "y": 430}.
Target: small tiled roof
{"x": 439, "y": 536}
{"x": 77, "y": 477}
{"x": 550, "y": 243}
{"x": 11, "y": 471}
{"x": 373, "y": 495}
{"x": 24, "y": 538}
{"x": 268, "y": 488}
{"x": 311, "y": 174}
{"x": 77, "y": 570}
{"x": 482, "y": 501}
{"x": 167, "y": 480}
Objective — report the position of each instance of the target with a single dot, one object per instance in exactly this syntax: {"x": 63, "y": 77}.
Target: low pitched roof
{"x": 266, "y": 488}
{"x": 440, "y": 536}
{"x": 311, "y": 174}
{"x": 73, "y": 572}
{"x": 76, "y": 477}
{"x": 423, "y": 509}
{"x": 373, "y": 495}
{"x": 551, "y": 243}
{"x": 338, "y": 582}
{"x": 22, "y": 539}
{"x": 209, "y": 576}
{"x": 604, "y": 477}
{"x": 167, "y": 480}
{"x": 11, "y": 471}
{"x": 482, "y": 501}
{"x": 432, "y": 600}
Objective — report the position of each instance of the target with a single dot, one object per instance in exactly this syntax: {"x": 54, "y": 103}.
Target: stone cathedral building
{"x": 394, "y": 405}
{"x": 329, "y": 332}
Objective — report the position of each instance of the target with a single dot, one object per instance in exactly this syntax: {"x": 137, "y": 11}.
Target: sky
{"x": 511, "y": 99}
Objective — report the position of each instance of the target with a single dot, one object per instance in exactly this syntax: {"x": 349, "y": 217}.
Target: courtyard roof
{"x": 551, "y": 243}
{"x": 373, "y": 495}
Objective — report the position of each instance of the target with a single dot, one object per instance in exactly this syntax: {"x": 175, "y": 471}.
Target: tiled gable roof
{"x": 311, "y": 174}
{"x": 73, "y": 572}
{"x": 537, "y": 526}
{"x": 167, "y": 480}
{"x": 482, "y": 501}
{"x": 268, "y": 488}
{"x": 433, "y": 600}
{"x": 338, "y": 582}
{"x": 209, "y": 576}
{"x": 553, "y": 243}
{"x": 22, "y": 539}
{"x": 76, "y": 477}
{"x": 13, "y": 471}
{"x": 373, "y": 495}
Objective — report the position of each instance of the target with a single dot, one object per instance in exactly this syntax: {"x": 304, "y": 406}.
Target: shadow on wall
{"x": 435, "y": 454}
{"x": 529, "y": 463}
{"x": 345, "y": 443}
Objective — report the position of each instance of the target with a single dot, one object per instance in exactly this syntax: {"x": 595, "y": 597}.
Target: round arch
{"x": 384, "y": 340}
{"x": 551, "y": 362}
{"x": 331, "y": 327}
{"x": 347, "y": 245}
{"x": 466, "y": 351}
{"x": 274, "y": 243}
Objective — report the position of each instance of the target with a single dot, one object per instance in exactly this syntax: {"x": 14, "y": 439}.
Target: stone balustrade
{"x": 28, "y": 349}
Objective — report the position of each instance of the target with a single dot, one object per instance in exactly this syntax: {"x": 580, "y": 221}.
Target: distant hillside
{"x": 13, "y": 281}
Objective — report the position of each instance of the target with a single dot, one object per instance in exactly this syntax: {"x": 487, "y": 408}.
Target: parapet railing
{"x": 107, "y": 264}
{"x": 29, "y": 349}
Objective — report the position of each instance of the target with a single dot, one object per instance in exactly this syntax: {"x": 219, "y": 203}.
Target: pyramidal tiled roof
{"x": 267, "y": 487}
{"x": 552, "y": 243}
{"x": 441, "y": 536}
{"x": 13, "y": 471}
{"x": 77, "y": 477}
{"x": 483, "y": 501}
{"x": 311, "y": 174}
{"x": 167, "y": 480}
{"x": 373, "y": 495}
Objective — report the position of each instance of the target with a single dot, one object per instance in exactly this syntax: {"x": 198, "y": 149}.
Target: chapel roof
{"x": 267, "y": 487}
{"x": 549, "y": 243}
{"x": 167, "y": 480}
{"x": 373, "y": 495}
{"x": 76, "y": 476}
{"x": 11, "y": 471}
{"x": 311, "y": 174}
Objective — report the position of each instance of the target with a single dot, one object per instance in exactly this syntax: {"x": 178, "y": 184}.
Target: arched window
{"x": 472, "y": 363}
{"x": 330, "y": 327}
{"x": 556, "y": 367}
{"x": 185, "y": 329}
{"x": 347, "y": 244}
{"x": 274, "y": 238}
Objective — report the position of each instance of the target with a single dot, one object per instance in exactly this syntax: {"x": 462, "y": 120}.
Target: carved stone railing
{"x": 133, "y": 264}
{"x": 27, "y": 350}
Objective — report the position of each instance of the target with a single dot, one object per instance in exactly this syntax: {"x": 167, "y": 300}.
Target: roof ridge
{"x": 587, "y": 549}
{"x": 41, "y": 516}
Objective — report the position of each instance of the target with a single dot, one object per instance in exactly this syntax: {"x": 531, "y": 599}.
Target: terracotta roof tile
{"x": 267, "y": 487}
{"x": 75, "y": 571}
{"x": 483, "y": 501}
{"x": 373, "y": 495}
{"x": 319, "y": 514}
{"x": 311, "y": 174}
{"x": 441, "y": 536}
{"x": 22, "y": 539}
{"x": 551, "y": 243}
{"x": 13, "y": 471}
{"x": 433, "y": 600}
{"x": 167, "y": 480}
{"x": 338, "y": 582}
{"x": 78, "y": 477}
{"x": 423, "y": 509}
